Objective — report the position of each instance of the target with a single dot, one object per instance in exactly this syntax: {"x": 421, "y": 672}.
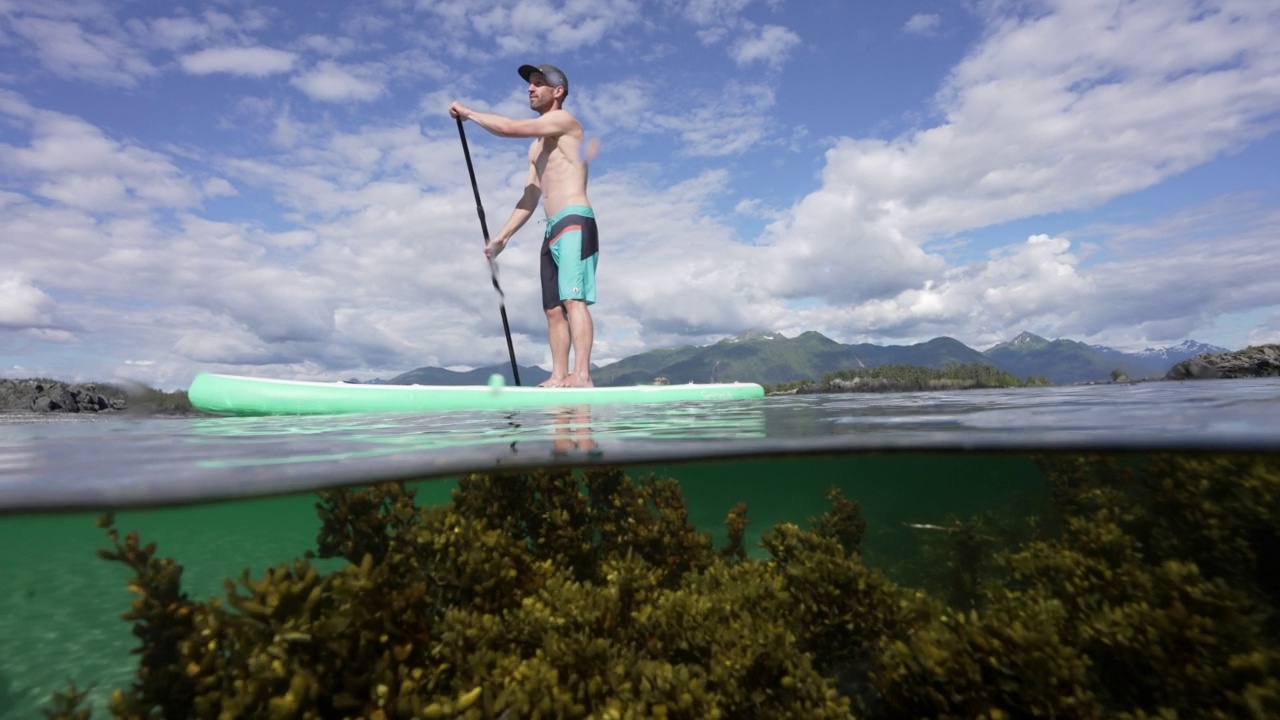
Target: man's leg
{"x": 582, "y": 332}
{"x": 558, "y": 336}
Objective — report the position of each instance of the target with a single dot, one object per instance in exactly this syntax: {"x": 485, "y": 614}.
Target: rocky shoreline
{"x": 41, "y": 395}
{"x": 47, "y": 396}
{"x": 1253, "y": 362}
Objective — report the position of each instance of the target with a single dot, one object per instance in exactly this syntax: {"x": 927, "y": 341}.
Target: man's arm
{"x": 520, "y": 214}
{"x": 556, "y": 122}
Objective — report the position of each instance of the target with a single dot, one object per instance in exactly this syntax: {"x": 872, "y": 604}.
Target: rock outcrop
{"x": 1258, "y": 361}
{"x": 52, "y": 396}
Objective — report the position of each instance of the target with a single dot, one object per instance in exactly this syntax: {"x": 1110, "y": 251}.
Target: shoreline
{"x": 43, "y": 396}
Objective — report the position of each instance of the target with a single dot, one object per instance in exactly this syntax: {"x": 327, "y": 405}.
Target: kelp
{"x": 552, "y": 593}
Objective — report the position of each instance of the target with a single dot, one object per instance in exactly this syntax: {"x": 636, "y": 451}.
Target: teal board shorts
{"x": 570, "y": 252}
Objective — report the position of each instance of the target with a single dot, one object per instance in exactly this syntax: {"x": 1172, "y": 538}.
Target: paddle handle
{"x": 493, "y": 269}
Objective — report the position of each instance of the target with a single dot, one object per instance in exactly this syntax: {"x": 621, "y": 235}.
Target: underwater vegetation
{"x": 1152, "y": 593}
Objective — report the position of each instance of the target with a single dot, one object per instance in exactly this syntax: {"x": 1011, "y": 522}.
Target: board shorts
{"x": 570, "y": 251}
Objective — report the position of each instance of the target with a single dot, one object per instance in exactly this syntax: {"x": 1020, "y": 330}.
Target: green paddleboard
{"x": 238, "y": 395}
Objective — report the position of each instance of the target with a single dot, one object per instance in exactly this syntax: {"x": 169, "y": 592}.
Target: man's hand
{"x": 459, "y": 110}
{"x": 493, "y": 247}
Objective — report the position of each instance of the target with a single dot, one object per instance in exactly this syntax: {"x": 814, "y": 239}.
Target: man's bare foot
{"x": 554, "y": 381}
{"x": 575, "y": 380}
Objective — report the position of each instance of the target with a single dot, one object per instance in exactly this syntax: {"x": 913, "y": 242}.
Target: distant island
{"x": 909, "y": 378}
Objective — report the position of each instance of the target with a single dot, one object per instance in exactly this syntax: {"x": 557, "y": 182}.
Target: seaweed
{"x": 554, "y": 593}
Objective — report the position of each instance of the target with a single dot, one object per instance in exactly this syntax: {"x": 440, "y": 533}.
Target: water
{"x": 220, "y": 495}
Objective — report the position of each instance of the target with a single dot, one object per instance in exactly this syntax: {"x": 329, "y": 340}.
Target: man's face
{"x": 541, "y": 94}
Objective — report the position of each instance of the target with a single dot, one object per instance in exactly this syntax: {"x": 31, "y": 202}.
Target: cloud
{"x": 75, "y": 163}
{"x": 330, "y": 82}
{"x": 728, "y": 125}
{"x": 728, "y": 121}
{"x": 770, "y": 46}
{"x": 1266, "y": 334}
{"x": 244, "y": 61}
{"x": 1073, "y": 108}
{"x": 752, "y": 43}
{"x": 1042, "y": 116}
{"x": 1062, "y": 110}
{"x": 218, "y": 187}
{"x": 1184, "y": 269}
{"x": 1033, "y": 284}
{"x": 73, "y": 52}
{"x": 1150, "y": 284}
{"x": 519, "y": 28}
{"x": 922, "y": 24}
{"x": 23, "y": 305}
{"x": 175, "y": 33}
{"x": 714, "y": 12}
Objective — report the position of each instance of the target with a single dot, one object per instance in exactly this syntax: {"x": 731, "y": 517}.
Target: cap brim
{"x": 528, "y": 70}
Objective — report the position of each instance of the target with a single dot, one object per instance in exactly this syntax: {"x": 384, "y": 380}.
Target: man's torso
{"x": 561, "y": 172}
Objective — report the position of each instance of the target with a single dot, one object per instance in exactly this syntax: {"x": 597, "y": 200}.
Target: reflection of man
{"x": 573, "y": 431}
{"x": 570, "y": 250}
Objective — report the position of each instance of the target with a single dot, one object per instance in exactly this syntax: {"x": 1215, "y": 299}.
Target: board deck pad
{"x": 240, "y": 395}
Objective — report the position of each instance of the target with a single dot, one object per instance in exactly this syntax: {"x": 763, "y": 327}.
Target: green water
{"x": 63, "y": 604}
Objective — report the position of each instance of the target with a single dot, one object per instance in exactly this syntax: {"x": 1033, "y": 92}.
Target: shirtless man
{"x": 570, "y": 248}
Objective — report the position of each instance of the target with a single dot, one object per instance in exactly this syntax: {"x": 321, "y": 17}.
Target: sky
{"x": 277, "y": 189}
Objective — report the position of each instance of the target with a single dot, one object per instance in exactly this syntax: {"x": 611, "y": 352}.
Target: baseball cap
{"x": 554, "y": 75}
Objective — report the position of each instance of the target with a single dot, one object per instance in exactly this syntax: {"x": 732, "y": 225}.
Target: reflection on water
{"x": 875, "y": 584}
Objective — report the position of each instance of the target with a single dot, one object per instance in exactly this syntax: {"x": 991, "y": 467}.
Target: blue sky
{"x": 257, "y": 188}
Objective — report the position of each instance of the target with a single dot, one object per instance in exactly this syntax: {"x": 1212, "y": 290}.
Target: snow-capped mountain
{"x": 1182, "y": 351}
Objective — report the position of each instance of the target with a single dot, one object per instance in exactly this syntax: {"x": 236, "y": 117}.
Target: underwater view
{"x": 959, "y": 555}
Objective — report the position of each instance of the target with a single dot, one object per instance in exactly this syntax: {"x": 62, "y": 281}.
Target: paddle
{"x": 493, "y": 268}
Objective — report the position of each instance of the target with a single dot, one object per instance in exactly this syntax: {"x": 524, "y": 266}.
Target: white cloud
{"x": 74, "y": 163}
{"x": 218, "y": 187}
{"x": 71, "y": 51}
{"x": 1266, "y": 334}
{"x": 770, "y": 46}
{"x": 23, "y": 305}
{"x": 1058, "y": 111}
{"x": 245, "y": 61}
{"x": 533, "y": 26}
{"x": 230, "y": 346}
{"x": 713, "y": 12}
{"x": 729, "y": 121}
{"x": 923, "y": 24}
{"x": 330, "y": 82}
{"x": 730, "y": 124}
{"x": 176, "y": 33}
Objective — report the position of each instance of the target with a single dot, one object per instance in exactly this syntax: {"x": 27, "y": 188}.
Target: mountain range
{"x": 770, "y": 358}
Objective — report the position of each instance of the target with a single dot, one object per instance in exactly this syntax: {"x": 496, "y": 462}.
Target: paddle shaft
{"x": 493, "y": 271}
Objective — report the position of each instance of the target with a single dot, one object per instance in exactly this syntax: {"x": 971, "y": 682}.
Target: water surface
{"x": 106, "y": 461}
{"x": 222, "y": 495}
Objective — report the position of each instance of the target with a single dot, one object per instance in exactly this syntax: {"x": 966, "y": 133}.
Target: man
{"x": 570, "y": 248}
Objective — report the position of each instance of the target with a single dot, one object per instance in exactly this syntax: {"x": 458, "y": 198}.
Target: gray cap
{"x": 554, "y": 75}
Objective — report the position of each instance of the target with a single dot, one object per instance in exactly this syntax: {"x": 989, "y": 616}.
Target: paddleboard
{"x": 240, "y": 395}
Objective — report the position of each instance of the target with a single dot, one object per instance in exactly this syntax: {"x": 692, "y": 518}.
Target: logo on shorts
{"x": 576, "y": 291}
